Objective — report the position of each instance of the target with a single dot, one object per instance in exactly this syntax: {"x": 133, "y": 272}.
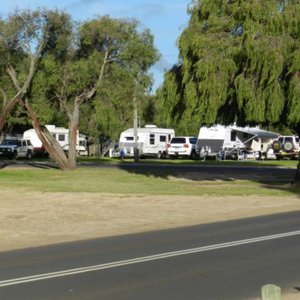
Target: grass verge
{"x": 107, "y": 180}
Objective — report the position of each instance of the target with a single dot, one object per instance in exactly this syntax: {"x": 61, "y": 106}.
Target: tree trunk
{"x": 50, "y": 143}
{"x": 73, "y": 133}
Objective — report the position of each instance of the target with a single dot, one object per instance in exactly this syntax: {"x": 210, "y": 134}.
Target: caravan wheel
{"x": 159, "y": 155}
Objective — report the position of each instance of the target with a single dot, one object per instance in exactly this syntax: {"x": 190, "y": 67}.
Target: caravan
{"x": 61, "y": 134}
{"x": 151, "y": 141}
{"x": 235, "y": 142}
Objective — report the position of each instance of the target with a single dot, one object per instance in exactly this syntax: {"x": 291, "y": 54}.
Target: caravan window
{"x": 233, "y": 136}
{"x": 162, "y": 138}
{"x": 152, "y": 139}
{"x": 129, "y": 138}
{"x": 61, "y": 137}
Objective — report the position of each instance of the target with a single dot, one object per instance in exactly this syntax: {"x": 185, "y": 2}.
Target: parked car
{"x": 286, "y": 146}
{"x": 182, "y": 146}
{"x": 15, "y": 148}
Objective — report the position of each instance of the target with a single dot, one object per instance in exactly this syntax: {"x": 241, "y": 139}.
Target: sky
{"x": 166, "y": 19}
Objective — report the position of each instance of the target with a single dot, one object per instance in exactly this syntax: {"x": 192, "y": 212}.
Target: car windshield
{"x": 10, "y": 142}
{"x": 178, "y": 140}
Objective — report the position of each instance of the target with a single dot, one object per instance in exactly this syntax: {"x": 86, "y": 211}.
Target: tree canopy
{"x": 239, "y": 63}
{"x": 93, "y": 68}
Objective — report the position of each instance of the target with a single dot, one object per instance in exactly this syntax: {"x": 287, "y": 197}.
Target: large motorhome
{"x": 61, "y": 134}
{"x": 234, "y": 142}
{"x": 151, "y": 141}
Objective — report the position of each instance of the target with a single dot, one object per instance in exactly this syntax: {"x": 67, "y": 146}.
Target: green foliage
{"x": 71, "y": 67}
{"x": 239, "y": 62}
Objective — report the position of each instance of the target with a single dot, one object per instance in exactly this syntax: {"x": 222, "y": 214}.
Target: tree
{"x": 25, "y": 38}
{"x": 54, "y": 68}
{"x": 98, "y": 71}
{"x": 20, "y": 50}
{"x": 239, "y": 62}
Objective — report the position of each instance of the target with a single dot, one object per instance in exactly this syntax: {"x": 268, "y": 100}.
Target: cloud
{"x": 82, "y": 4}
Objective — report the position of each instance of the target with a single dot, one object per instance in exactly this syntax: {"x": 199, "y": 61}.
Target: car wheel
{"x": 14, "y": 155}
{"x": 29, "y": 155}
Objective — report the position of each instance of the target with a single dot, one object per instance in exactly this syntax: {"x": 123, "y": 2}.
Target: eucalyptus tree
{"x": 25, "y": 39}
{"x": 98, "y": 73}
{"x": 239, "y": 62}
{"x": 21, "y": 46}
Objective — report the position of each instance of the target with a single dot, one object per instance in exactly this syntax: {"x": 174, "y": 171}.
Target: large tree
{"x": 103, "y": 62}
{"x": 239, "y": 62}
{"x": 21, "y": 46}
{"x": 25, "y": 39}
{"x": 56, "y": 68}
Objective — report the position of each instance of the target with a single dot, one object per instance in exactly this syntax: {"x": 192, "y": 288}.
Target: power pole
{"x": 135, "y": 130}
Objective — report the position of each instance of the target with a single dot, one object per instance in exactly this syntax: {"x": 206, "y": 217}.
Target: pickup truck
{"x": 16, "y": 148}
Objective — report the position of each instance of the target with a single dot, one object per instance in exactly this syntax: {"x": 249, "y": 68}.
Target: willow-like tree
{"x": 239, "y": 62}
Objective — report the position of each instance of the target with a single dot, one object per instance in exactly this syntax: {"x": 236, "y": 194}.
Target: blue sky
{"x": 165, "y": 18}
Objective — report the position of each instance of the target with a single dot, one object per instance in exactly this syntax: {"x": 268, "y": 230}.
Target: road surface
{"x": 227, "y": 260}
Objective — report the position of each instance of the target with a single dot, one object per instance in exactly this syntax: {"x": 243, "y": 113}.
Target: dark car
{"x": 8, "y": 148}
{"x": 16, "y": 148}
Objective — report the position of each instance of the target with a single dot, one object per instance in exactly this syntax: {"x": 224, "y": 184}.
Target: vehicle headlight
{"x": 8, "y": 150}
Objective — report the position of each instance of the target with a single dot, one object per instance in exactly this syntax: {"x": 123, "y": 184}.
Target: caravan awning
{"x": 256, "y": 132}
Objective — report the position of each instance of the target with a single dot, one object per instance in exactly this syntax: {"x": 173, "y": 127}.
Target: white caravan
{"x": 235, "y": 142}
{"x": 61, "y": 134}
{"x": 151, "y": 141}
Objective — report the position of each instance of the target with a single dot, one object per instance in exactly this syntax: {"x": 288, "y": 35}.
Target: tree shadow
{"x": 20, "y": 163}
{"x": 268, "y": 177}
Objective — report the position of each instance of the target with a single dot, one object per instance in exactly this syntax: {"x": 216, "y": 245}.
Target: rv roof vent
{"x": 150, "y": 126}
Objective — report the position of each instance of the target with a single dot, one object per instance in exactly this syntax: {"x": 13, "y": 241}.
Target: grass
{"x": 111, "y": 180}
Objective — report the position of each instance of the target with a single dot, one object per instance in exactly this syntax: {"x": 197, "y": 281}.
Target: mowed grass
{"x": 113, "y": 180}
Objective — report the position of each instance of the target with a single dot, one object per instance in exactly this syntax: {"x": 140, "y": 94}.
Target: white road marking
{"x": 120, "y": 263}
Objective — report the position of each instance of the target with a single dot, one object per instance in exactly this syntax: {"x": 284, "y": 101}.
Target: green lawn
{"x": 110, "y": 180}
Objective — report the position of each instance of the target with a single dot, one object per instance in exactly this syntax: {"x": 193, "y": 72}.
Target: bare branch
{"x": 12, "y": 74}
{"x": 4, "y": 96}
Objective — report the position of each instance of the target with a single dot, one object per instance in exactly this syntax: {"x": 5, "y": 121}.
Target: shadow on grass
{"x": 270, "y": 177}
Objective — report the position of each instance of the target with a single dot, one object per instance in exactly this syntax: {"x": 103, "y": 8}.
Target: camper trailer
{"x": 234, "y": 142}
{"x": 151, "y": 141}
{"x": 61, "y": 134}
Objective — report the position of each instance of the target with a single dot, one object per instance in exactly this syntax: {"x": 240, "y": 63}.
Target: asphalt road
{"x": 228, "y": 260}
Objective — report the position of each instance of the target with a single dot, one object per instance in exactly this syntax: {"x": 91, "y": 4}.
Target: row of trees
{"x": 239, "y": 63}
{"x": 55, "y": 71}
